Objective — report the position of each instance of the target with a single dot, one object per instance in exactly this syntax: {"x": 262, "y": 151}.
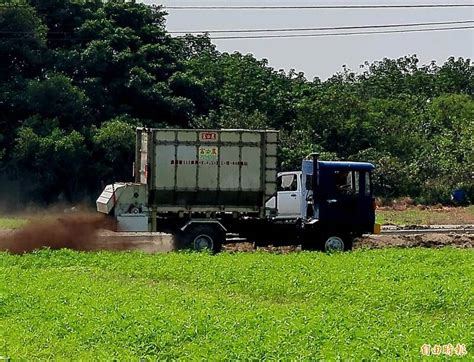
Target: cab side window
{"x": 368, "y": 184}
{"x": 344, "y": 182}
{"x": 288, "y": 183}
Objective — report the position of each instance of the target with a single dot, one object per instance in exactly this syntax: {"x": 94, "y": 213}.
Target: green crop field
{"x": 365, "y": 304}
{"x": 415, "y": 216}
{"x": 11, "y": 223}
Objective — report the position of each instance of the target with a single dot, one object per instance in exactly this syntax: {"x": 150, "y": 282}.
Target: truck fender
{"x": 203, "y": 221}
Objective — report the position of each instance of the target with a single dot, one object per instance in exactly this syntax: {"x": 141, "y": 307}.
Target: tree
{"x": 446, "y": 162}
{"x": 51, "y": 167}
{"x": 455, "y": 76}
{"x": 77, "y": 76}
{"x": 114, "y": 146}
{"x": 23, "y": 52}
{"x": 395, "y": 77}
{"x": 56, "y": 96}
{"x": 337, "y": 120}
{"x": 22, "y": 42}
{"x": 244, "y": 84}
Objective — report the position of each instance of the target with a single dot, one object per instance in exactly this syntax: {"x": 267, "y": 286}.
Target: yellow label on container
{"x": 208, "y": 153}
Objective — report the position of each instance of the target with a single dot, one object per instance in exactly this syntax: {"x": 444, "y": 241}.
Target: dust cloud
{"x": 78, "y": 231}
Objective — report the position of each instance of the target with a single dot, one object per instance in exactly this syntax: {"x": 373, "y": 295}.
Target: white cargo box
{"x": 207, "y": 170}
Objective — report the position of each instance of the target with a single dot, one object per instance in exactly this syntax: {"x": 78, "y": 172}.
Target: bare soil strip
{"x": 428, "y": 240}
{"x": 86, "y": 233}
{"x": 465, "y": 241}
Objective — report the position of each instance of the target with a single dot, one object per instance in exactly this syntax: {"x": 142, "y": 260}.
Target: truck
{"x": 203, "y": 185}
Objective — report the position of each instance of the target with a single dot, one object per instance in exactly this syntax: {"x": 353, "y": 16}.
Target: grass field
{"x": 365, "y": 304}
{"x": 414, "y": 216}
{"x": 11, "y": 223}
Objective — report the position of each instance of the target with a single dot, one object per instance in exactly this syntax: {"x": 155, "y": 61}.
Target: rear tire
{"x": 201, "y": 238}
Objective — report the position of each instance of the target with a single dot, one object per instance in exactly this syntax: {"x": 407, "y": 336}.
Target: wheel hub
{"x": 334, "y": 243}
{"x": 202, "y": 242}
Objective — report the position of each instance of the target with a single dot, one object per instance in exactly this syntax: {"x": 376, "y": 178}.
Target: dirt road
{"x": 379, "y": 242}
{"x": 93, "y": 240}
{"x": 428, "y": 240}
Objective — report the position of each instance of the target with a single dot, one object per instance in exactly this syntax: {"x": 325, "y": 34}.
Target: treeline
{"x": 75, "y": 79}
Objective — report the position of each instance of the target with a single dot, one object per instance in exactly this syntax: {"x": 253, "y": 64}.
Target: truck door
{"x": 289, "y": 195}
{"x": 338, "y": 203}
{"x": 347, "y": 200}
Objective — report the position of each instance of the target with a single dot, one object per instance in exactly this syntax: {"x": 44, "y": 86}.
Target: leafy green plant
{"x": 11, "y": 223}
{"x": 365, "y": 304}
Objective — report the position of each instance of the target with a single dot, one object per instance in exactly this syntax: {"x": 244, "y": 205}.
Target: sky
{"x": 324, "y": 56}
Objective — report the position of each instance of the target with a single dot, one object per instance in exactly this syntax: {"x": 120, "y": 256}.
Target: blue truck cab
{"x": 337, "y": 203}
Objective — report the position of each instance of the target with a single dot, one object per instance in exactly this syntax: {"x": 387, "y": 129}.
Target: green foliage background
{"x": 77, "y": 77}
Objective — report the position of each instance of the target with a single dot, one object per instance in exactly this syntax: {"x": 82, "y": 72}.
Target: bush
{"x": 435, "y": 193}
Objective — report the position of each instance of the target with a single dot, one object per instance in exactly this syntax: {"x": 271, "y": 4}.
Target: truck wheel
{"x": 203, "y": 237}
{"x": 337, "y": 243}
